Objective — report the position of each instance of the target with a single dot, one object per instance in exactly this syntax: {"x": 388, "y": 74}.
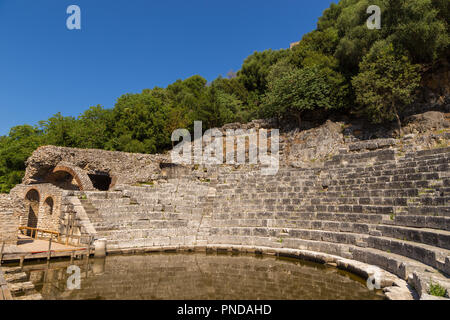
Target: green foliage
{"x": 140, "y": 122}
{"x": 385, "y": 84}
{"x": 340, "y": 65}
{"x": 256, "y": 67}
{"x": 293, "y": 91}
{"x": 437, "y": 290}
{"x": 14, "y": 151}
{"x": 421, "y": 28}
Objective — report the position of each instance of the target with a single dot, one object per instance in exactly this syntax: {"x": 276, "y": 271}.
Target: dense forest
{"x": 342, "y": 65}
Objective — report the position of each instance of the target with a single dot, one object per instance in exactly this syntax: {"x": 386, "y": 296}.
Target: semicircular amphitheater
{"x": 376, "y": 207}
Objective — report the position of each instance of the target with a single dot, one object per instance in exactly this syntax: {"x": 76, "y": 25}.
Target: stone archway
{"x": 48, "y": 206}
{"x": 69, "y": 177}
{"x": 64, "y": 180}
{"x": 32, "y": 199}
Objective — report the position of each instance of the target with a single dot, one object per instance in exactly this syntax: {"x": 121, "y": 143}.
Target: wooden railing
{"x": 34, "y": 233}
{"x": 71, "y": 239}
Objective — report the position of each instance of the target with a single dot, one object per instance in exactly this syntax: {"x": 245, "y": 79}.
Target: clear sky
{"x": 125, "y": 46}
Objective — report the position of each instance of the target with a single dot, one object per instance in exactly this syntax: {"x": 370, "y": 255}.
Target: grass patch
{"x": 437, "y": 290}
{"x": 143, "y": 184}
{"x": 441, "y": 145}
{"x": 425, "y": 191}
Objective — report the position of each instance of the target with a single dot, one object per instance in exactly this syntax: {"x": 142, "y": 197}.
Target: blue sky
{"x": 126, "y": 46}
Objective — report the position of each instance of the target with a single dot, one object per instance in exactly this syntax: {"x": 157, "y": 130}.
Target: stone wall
{"x": 123, "y": 168}
{"x": 8, "y": 221}
{"x": 47, "y": 208}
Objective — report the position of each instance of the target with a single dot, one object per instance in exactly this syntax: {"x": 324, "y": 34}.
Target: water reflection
{"x": 194, "y": 276}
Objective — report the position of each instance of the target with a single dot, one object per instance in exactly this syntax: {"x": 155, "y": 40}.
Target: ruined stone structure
{"x": 8, "y": 221}
{"x": 383, "y": 201}
{"x": 87, "y": 169}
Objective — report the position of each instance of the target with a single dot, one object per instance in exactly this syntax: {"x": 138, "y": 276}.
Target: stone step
{"x": 419, "y": 184}
{"x": 418, "y": 173}
{"x": 437, "y": 238}
{"x": 431, "y": 222}
{"x": 104, "y": 194}
{"x": 259, "y": 218}
{"x": 11, "y": 270}
{"x": 35, "y": 296}
{"x": 149, "y": 234}
{"x": 410, "y": 166}
{"x": 21, "y": 287}
{"x": 418, "y": 275}
{"x": 443, "y": 211}
{"x": 430, "y": 255}
{"x": 374, "y": 201}
{"x": 108, "y": 203}
{"x": 16, "y": 277}
{"x": 149, "y": 224}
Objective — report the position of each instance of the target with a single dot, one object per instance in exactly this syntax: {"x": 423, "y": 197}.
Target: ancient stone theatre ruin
{"x": 381, "y": 202}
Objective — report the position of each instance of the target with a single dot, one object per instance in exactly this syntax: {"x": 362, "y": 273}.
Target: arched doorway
{"x": 32, "y": 202}
{"x": 100, "y": 182}
{"x": 64, "y": 179}
{"x": 48, "y": 206}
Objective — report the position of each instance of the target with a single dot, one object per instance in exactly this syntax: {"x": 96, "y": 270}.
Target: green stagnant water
{"x": 192, "y": 276}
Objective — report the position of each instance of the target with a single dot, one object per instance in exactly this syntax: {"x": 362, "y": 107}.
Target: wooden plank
{"x": 50, "y": 248}
{"x": 1, "y": 252}
{"x": 6, "y": 294}
{"x": 43, "y": 255}
{"x": 2, "y": 279}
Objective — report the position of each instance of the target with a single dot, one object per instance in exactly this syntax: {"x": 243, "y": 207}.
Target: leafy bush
{"x": 437, "y": 290}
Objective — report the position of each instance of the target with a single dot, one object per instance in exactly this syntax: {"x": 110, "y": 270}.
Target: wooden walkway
{"x": 5, "y": 294}
{"x": 29, "y": 248}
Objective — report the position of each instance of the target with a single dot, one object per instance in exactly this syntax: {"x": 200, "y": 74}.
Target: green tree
{"x": 256, "y": 67}
{"x": 59, "y": 130}
{"x": 93, "y": 128}
{"x": 385, "y": 84}
{"x": 292, "y": 91}
{"x": 14, "y": 151}
{"x": 421, "y": 28}
{"x": 139, "y": 124}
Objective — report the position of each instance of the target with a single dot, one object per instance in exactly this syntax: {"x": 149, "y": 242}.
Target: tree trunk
{"x": 399, "y": 124}
{"x": 299, "y": 118}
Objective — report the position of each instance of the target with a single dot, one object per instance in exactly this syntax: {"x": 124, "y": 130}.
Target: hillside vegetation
{"x": 341, "y": 66}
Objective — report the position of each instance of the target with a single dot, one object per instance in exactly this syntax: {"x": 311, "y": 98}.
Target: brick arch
{"x": 82, "y": 179}
{"x": 35, "y": 190}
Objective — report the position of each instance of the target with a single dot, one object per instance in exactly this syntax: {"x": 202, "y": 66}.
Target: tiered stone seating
{"x": 138, "y": 216}
{"x": 394, "y": 210}
{"x": 378, "y": 207}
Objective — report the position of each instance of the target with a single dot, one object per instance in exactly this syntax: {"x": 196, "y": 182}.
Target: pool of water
{"x": 192, "y": 276}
